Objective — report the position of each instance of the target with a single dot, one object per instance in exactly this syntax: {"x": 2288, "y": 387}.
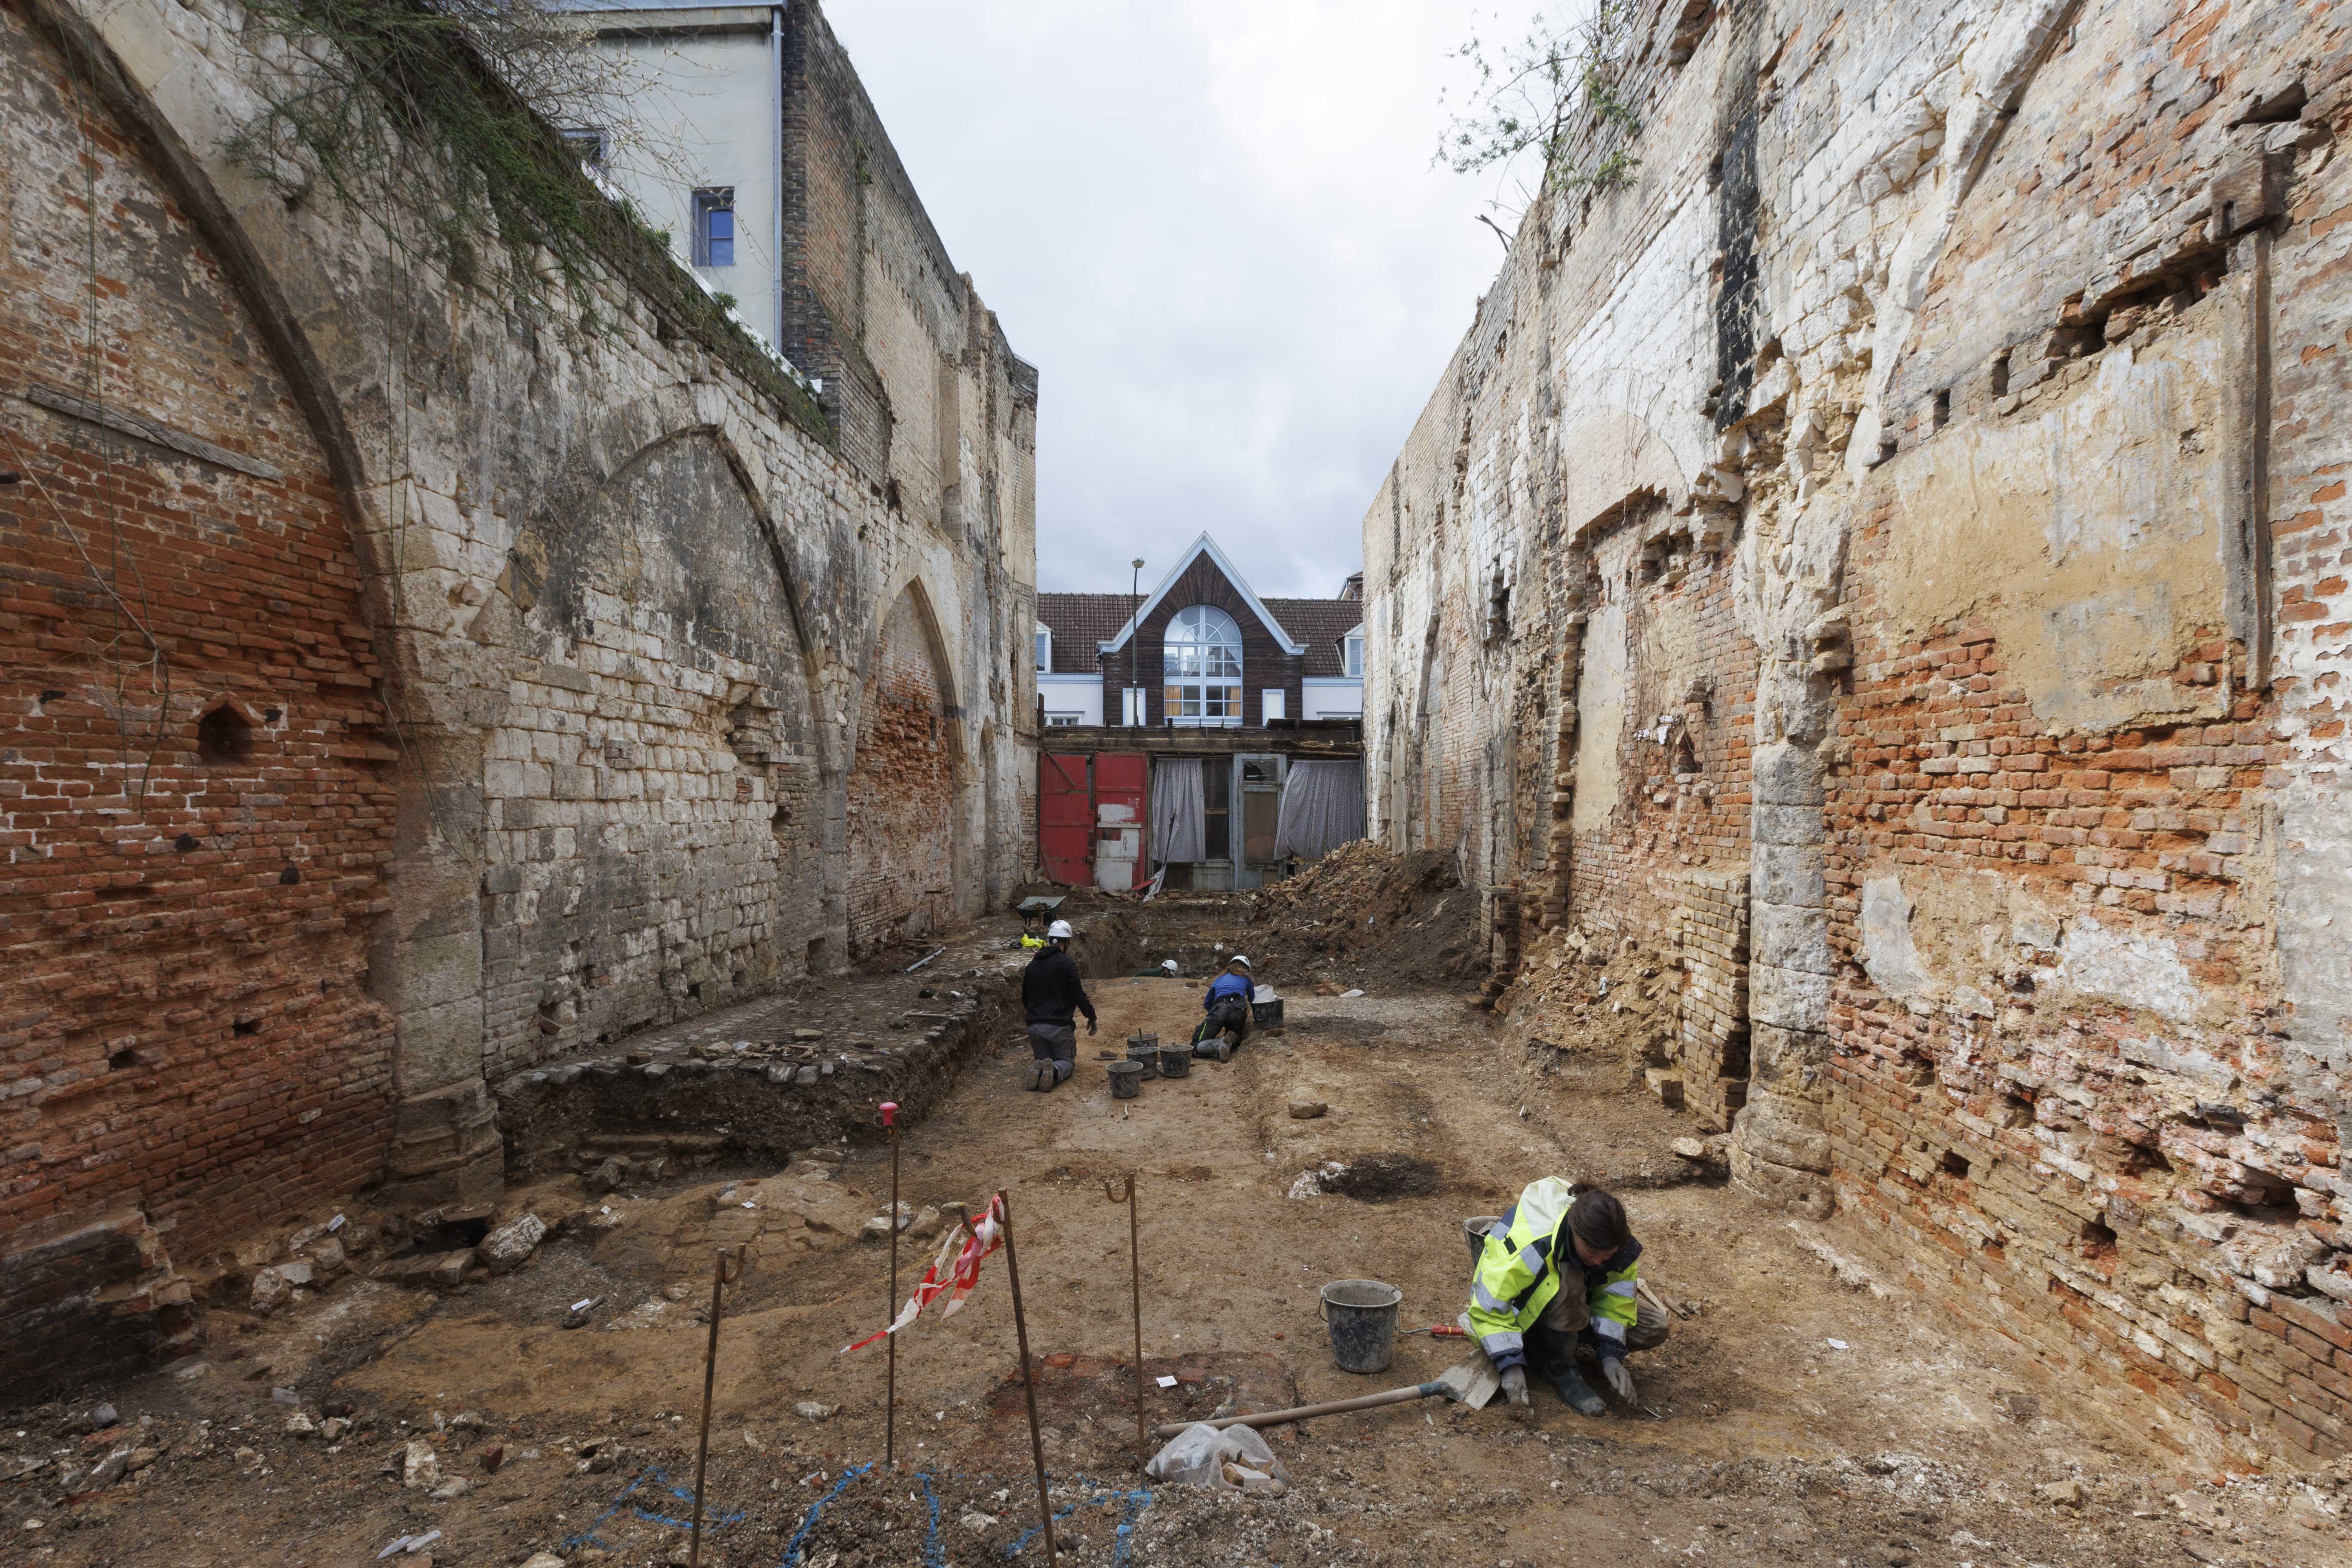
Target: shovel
{"x": 1473, "y": 1383}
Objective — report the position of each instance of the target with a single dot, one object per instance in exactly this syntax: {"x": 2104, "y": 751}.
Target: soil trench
{"x": 1795, "y": 1415}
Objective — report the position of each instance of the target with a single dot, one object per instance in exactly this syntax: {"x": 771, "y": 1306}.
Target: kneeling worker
{"x": 1052, "y": 995}
{"x": 1558, "y": 1273}
{"x": 1227, "y": 1005}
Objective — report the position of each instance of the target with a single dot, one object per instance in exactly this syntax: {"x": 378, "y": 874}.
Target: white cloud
{"x": 1216, "y": 232}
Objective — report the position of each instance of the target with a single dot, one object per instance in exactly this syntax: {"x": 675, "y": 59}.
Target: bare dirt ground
{"x": 1790, "y": 1418}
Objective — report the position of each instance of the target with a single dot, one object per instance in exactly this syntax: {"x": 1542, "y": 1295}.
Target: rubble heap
{"x": 1363, "y": 911}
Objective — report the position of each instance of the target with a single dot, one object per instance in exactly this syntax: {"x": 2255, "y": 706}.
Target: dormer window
{"x": 1044, "y": 648}
{"x": 1351, "y": 655}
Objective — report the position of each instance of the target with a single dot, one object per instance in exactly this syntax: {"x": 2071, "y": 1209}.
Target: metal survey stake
{"x": 1135, "y": 1286}
{"x": 722, "y": 1276}
{"x": 891, "y": 1307}
{"x": 1028, "y": 1383}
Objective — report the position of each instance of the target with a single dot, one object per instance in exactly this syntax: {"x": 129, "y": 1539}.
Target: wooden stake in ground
{"x": 1135, "y": 1286}
{"x": 721, "y": 1275}
{"x": 1028, "y": 1383}
{"x": 891, "y": 1307}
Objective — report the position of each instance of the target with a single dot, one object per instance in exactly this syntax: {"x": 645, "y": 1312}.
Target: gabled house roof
{"x": 1205, "y": 545}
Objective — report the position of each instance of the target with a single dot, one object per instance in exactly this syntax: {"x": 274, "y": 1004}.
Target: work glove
{"x": 1515, "y": 1385}
{"x": 1619, "y": 1380}
{"x": 1090, "y": 1025}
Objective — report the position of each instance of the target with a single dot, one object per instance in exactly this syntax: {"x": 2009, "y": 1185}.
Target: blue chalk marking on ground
{"x": 660, "y": 1477}
{"x": 1133, "y": 1503}
{"x": 1131, "y": 1511}
{"x": 935, "y": 1551}
{"x": 808, "y": 1519}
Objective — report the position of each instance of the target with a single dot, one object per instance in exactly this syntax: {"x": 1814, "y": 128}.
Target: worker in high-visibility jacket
{"x": 1556, "y": 1275}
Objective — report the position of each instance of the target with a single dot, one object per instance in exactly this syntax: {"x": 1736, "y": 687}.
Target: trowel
{"x": 1473, "y": 1383}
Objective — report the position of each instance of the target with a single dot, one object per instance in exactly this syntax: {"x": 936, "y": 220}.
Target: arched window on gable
{"x": 1203, "y": 668}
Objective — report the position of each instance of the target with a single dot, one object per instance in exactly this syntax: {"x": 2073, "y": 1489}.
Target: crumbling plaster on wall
{"x": 1975, "y": 407}
{"x": 472, "y": 451}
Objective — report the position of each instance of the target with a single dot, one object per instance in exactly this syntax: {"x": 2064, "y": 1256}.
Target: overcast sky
{"x": 1214, "y": 227}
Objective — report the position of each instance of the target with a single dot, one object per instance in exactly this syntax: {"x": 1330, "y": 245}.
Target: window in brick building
{"x": 1202, "y": 668}
{"x": 587, "y": 143}
{"x": 1062, "y": 720}
{"x": 224, "y": 736}
{"x": 714, "y": 226}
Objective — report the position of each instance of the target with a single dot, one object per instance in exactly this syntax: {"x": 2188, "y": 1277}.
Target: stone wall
{"x": 409, "y": 686}
{"x": 1910, "y": 501}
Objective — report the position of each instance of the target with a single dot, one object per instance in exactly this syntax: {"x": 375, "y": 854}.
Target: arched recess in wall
{"x": 906, "y": 786}
{"x": 671, "y": 701}
{"x": 183, "y": 323}
{"x": 420, "y": 965}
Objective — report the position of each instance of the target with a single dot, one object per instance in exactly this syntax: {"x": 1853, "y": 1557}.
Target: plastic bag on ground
{"x": 1200, "y": 1456}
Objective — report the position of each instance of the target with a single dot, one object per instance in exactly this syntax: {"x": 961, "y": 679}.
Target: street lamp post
{"x": 1135, "y": 592}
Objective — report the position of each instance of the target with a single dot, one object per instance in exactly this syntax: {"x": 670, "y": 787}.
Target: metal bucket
{"x": 1146, "y": 1058}
{"x": 1176, "y": 1061}
{"x": 1362, "y": 1315}
{"x": 1125, "y": 1078}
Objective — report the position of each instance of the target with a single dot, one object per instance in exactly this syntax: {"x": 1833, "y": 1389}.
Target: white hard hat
{"x": 1239, "y": 959}
{"x": 1060, "y": 929}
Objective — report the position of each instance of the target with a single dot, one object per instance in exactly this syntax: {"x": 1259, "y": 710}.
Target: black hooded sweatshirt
{"x": 1051, "y": 992}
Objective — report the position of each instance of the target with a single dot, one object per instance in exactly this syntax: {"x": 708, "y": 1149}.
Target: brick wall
{"x": 1987, "y": 367}
{"x": 194, "y": 783}
{"x": 1711, "y": 1012}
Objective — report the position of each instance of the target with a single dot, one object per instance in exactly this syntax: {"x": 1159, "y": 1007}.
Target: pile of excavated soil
{"x": 1590, "y": 1011}
{"x": 1363, "y": 912}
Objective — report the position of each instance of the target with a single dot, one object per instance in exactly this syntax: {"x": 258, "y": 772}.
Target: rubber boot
{"x": 1577, "y": 1393}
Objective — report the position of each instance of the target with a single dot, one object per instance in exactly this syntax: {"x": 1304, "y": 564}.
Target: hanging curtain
{"x": 1179, "y": 831}
{"x": 1322, "y": 808}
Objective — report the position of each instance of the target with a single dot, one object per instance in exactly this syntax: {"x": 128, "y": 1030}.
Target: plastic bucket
{"x": 1362, "y": 1315}
{"x": 1146, "y": 1058}
{"x": 1267, "y": 1015}
{"x": 1126, "y": 1077}
{"x": 1474, "y": 1231}
{"x": 1176, "y": 1061}
{"x": 1143, "y": 1043}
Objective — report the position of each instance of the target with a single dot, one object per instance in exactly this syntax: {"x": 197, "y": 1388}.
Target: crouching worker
{"x": 1227, "y": 1005}
{"x": 1556, "y": 1276}
{"x": 1052, "y": 996}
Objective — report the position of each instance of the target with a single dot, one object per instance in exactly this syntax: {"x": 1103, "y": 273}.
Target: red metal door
{"x": 1066, "y": 818}
{"x": 1119, "y": 833}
